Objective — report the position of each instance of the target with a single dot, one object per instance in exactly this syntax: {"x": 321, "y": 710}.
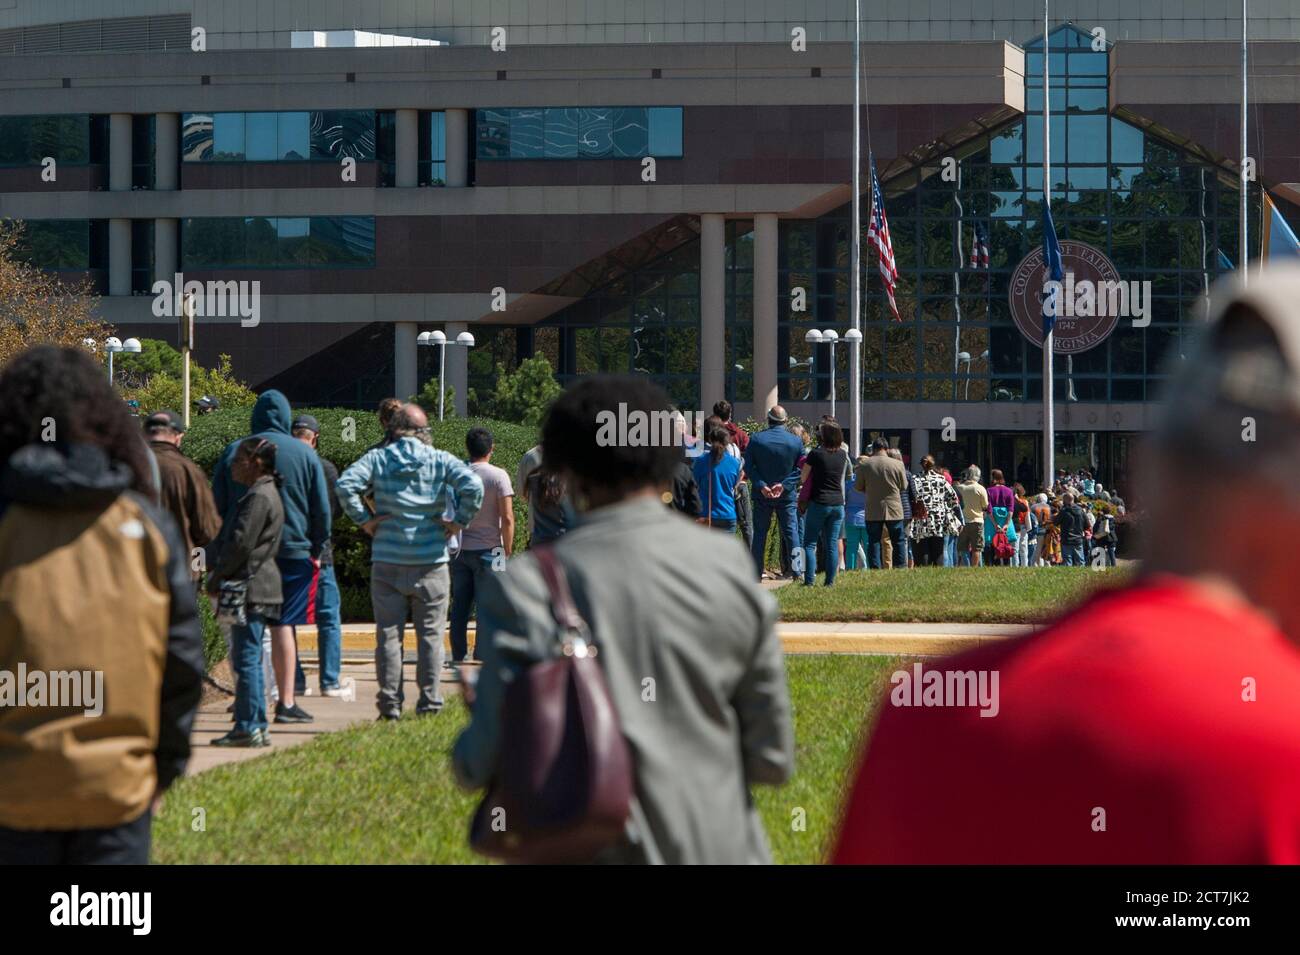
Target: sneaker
{"x": 291, "y": 714}
{"x": 332, "y": 691}
{"x": 237, "y": 739}
{"x": 388, "y": 717}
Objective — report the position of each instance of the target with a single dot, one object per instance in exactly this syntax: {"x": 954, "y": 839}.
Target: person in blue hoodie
{"x": 305, "y": 496}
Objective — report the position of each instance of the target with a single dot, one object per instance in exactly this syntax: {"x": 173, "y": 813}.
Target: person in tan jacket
{"x": 101, "y": 656}
{"x": 884, "y": 482}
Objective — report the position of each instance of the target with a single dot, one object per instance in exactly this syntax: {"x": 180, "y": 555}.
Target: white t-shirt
{"x": 484, "y": 531}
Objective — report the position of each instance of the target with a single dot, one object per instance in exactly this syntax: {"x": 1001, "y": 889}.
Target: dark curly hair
{"x": 70, "y": 387}
{"x": 569, "y": 434}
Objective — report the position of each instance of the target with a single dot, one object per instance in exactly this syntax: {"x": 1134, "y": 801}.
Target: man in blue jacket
{"x": 771, "y": 461}
{"x": 306, "y": 530}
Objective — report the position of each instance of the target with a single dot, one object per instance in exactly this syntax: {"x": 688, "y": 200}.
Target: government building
{"x": 659, "y": 186}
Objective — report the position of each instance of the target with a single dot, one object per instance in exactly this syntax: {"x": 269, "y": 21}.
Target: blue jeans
{"x": 246, "y": 661}
{"x": 1073, "y": 554}
{"x": 875, "y": 532}
{"x": 329, "y": 630}
{"x": 786, "y": 513}
{"x": 467, "y": 572}
{"x": 950, "y": 550}
{"x": 819, "y": 518}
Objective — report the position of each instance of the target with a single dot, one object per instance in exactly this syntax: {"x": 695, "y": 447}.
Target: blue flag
{"x": 1052, "y": 269}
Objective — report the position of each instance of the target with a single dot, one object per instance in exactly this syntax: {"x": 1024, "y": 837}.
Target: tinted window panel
{"x": 493, "y": 134}
{"x": 294, "y": 136}
{"x": 526, "y": 134}
{"x": 629, "y": 136}
{"x": 595, "y": 132}
{"x": 261, "y": 134}
{"x": 561, "y": 133}
{"x": 665, "y": 123}
{"x": 228, "y": 136}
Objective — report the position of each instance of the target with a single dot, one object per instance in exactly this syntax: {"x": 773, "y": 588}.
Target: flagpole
{"x": 1049, "y": 426}
{"x": 1244, "y": 227}
{"x": 855, "y": 266}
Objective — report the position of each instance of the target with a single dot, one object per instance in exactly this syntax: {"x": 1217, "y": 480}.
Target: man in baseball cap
{"x": 182, "y": 486}
{"x": 1160, "y": 721}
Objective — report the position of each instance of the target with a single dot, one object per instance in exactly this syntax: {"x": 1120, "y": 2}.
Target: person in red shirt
{"x": 1158, "y": 722}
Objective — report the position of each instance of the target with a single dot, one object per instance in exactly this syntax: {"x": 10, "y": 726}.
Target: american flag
{"x": 979, "y": 250}
{"x": 878, "y": 235}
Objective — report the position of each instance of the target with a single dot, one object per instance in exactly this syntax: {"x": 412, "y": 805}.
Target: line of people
{"x": 837, "y": 514}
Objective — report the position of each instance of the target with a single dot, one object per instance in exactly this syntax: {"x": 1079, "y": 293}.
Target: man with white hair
{"x": 1159, "y": 722}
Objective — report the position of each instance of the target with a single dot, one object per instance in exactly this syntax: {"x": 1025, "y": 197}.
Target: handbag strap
{"x": 563, "y": 609}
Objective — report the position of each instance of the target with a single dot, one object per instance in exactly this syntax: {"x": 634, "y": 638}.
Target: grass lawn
{"x": 384, "y": 792}
{"x": 945, "y": 594}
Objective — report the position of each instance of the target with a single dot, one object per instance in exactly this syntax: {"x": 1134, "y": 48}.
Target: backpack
{"x": 1002, "y": 548}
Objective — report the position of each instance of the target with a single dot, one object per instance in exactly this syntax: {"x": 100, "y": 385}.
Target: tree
{"x": 428, "y": 399}
{"x": 36, "y": 307}
{"x": 153, "y": 378}
{"x": 524, "y": 395}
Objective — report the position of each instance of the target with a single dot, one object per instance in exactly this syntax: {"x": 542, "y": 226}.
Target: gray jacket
{"x": 248, "y": 543}
{"x": 689, "y": 648}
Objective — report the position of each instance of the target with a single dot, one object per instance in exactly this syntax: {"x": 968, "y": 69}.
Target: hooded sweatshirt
{"x": 74, "y": 540}
{"x": 304, "y": 493}
{"x": 413, "y": 486}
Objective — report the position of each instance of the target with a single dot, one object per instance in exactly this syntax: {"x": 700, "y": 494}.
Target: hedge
{"x": 209, "y": 435}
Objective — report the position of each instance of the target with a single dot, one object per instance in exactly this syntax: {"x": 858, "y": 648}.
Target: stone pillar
{"x": 456, "y": 124}
{"x": 765, "y": 317}
{"x": 713, "y": 309}
{"x": 920, "y": 447}
{"x": 406, "y": 372}
{"x": 166, "y": 253}
{"x": 408, "y": 148}
{"x": 166, "y": 151}
{"x": 119, "y": 256}
{"x": 457, "y": 366}
{"x": 119, "y": 152}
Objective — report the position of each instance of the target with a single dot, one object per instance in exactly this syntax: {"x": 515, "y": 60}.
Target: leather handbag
{"x": 563, "y": 787}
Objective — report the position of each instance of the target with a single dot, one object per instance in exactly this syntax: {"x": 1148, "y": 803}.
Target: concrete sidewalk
{"x": 925, "y": 639}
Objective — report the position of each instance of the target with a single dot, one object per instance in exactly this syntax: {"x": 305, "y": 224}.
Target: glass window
{"x": 293, "y": 248}
{"x": 261, "y": 134}
{"x": 492, "y": 129}
{"x": 228, "y": 136}
{"x": 561, "y": 126}
{"x": 595, "y": 132}
{"x": 55, "y": 244}
{"x": 526, "y": 134}
{"x": 293, "y": 136}
{"x": 629, "y": 137}
{"x": 665, "y": 125}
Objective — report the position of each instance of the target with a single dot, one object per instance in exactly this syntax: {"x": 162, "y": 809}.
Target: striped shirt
{"x": 413, "y": 485}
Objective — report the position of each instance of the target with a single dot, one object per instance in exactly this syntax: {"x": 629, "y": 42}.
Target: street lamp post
{"x": 113, "y": 345}
{"x": 464, "y": 339}
{"x": 831, "y": 337}
{"x": 968, "y": 358}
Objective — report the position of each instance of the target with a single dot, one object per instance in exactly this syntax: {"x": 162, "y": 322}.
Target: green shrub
{"x": 214, "y": 642}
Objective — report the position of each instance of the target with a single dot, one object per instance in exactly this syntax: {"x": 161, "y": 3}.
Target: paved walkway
{"x": 331, "y": 714}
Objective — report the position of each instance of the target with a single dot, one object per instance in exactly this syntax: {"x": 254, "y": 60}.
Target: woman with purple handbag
{"x": 633, "y": 687}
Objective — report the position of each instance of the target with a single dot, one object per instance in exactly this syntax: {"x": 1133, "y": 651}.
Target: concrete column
{"x": 119, "y": 256}
{"x": 458, "y": 366}
{"x": 765, "y": 328}
{"x": 119, "y": 152}
{"x": 713, "y": 309}
{"x": 456, "y": 122}
{"x": 408, "y": 148}
{"x": 166, "y": 251}
{"x": 406, "y": 372}
{"x": 920, "y": 446}
{"x": 166, "y": 151}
